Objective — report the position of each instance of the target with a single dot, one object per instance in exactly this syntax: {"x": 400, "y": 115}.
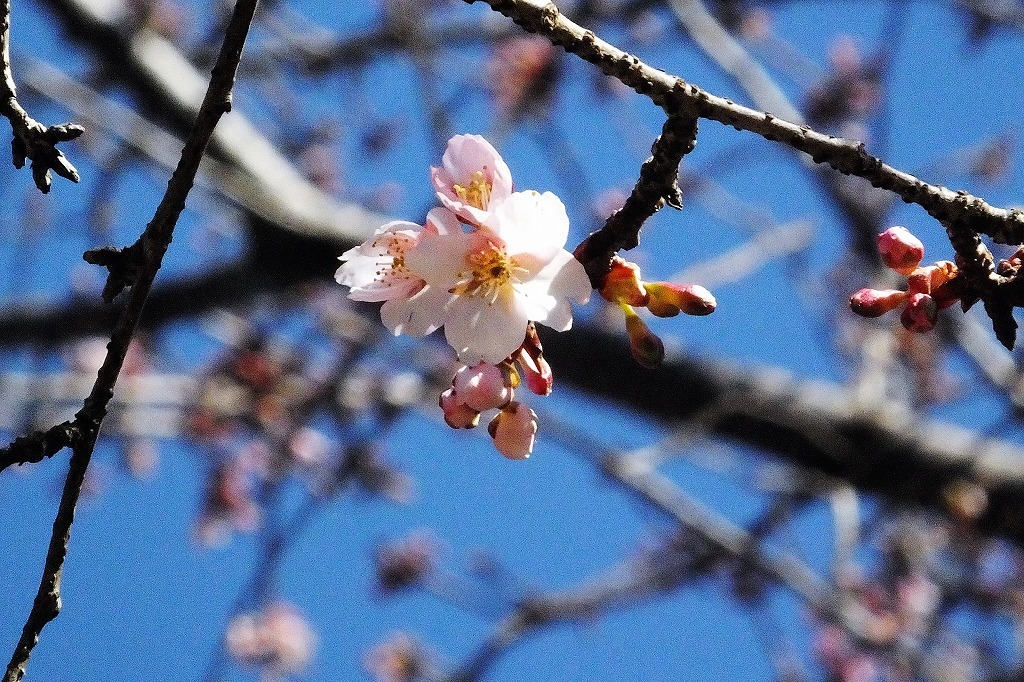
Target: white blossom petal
{"x": 479, "y": 330}
{"x": 561, "y": 279}
{"x": 531, "y": 223}
{"x": 417, "y": 315}
{"x": 441, "y": 260}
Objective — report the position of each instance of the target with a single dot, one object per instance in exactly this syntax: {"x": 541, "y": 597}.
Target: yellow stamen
{"x": 493, "y": 270}
{"x": 478, "y": 193}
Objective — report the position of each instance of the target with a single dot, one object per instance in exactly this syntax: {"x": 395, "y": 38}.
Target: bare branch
{"x": 677, "y": 96}
{"x": 658, "y": 186}
{"x": 152, "y": 245}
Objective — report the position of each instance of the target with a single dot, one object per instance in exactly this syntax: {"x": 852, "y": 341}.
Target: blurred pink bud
{"x": 397, "y": 659}
{"x": 514, "y": 430}
{"x": 645, "y": 346}
{"x": 227, "y": 505}
{"x": 141, "y": 457}
{"x": 756, "y": 25}
{"x": 456, "y": 414}
{"x": 308, "y": 446}
{"x": 622, "y": 284}
{"x": 844, "y": 55}
{"x": 668, "y": 299}
{"x": 519, "y": 73}
{"x": 277, "y": 639}
{"x": 404, "y": 563}
{"x": 920, "y": 314}
{"x": 610, "y": 200}
{"x": 875, "y": 302}
{"x": 900, "y": 250}
{"x": 481, "y": 387}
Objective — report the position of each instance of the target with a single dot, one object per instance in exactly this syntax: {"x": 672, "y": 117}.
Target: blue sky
{"x": 142, "y": 601}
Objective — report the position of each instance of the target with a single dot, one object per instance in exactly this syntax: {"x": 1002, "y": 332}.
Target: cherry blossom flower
{"x": 488, "y": 265}
{"x": 511, "y": 271}
{"x": 472, "y": 179}
{"x": 377, "y": 270}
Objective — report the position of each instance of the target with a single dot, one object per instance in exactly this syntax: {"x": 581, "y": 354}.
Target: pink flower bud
{"x": 668, "y": 299}
{"x": 900, "y": 250}
{"x": 645, "y": 346}
{"x": 920, "y": 313}
{"x": 456, "y": 414}
{"x": 875, "y": 302}
{"x": 481, "y": 387}
{"x": 514, "y": 430}
{"x": 622, "y": 284}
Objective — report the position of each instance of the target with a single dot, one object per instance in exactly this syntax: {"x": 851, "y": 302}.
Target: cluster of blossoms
{"x": 623, "y": 285}
{"x": 487, "y": 264}
{"x": 929, "y": 288}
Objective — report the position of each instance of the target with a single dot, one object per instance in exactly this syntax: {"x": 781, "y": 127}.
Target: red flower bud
{"x": 535, "y": 368}
{"x": 947, "y": 293}
{"x": 457, "y": 414}
{"x": 622, "y": 284}
{"x": 668, "y": 299}
{"x": 927, "y": 279}
{"x": 920, "y": 314}
{"x": 900, "y": 250}
{"x": 645, "y": 346}
{"x": 875, "y": 302}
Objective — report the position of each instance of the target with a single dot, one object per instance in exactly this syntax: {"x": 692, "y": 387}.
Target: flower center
{"x": 394, "y": 246}
{"x": 477, "y": 193}
{"x": 493, "y": 270}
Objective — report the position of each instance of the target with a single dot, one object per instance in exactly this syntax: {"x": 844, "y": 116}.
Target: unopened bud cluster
{"x": 476, "y": 389}
{"x": 624, "y": 286}
{"x": 929, "y": 288}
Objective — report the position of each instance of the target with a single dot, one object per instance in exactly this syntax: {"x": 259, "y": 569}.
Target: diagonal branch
{"x": 153, "y": 244}
{"x": 657, "y": 187}
{"x": 677, "y": 96}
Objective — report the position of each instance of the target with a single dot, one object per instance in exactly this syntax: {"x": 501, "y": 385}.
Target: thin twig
{"x": 153, "y": 244}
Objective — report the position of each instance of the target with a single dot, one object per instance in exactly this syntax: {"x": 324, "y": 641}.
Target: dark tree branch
{"x": 153, "y": 243}
{"x": 677, "y": 96}
{"x": 32, "y": 141}
{"x": 658, "y": 186}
